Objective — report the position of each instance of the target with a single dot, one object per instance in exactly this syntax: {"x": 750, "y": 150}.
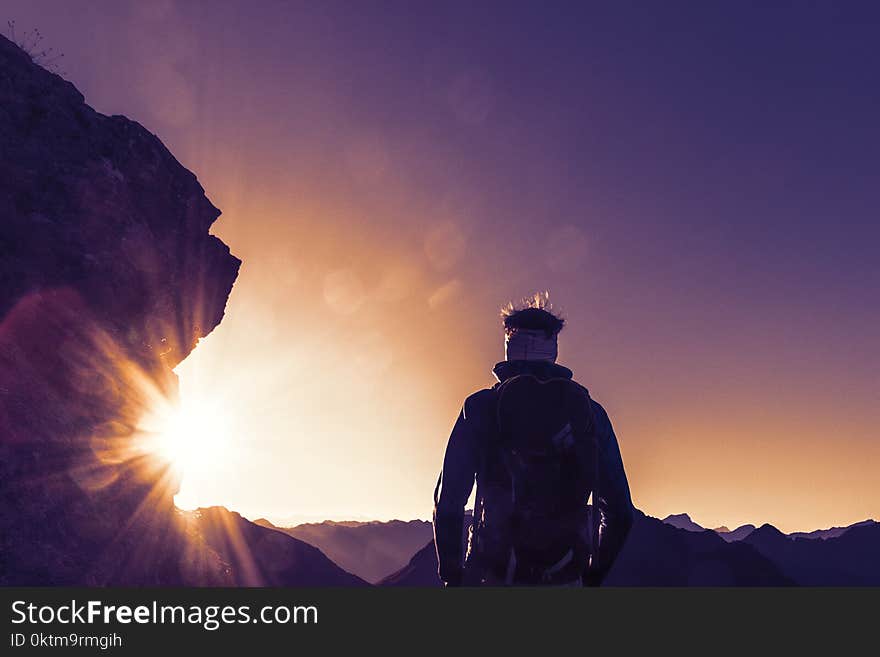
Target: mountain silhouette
{"x": 737, "y": 534}
{"x": 421, "y": 570}
{"x": 683, "y": 521}
{"x": 260, "y": 556}
{"x": 371, "y": 550}
{"x": 655, "y": 554}
{"x": 659, "y": 554}
{"x": 832, "y": 532}
{"x": 849, "y": 559}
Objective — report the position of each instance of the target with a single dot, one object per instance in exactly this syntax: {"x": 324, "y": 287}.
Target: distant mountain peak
{"x": 846, "y": 560}
{"x": 683, "y": 521}
{"x": 737, "y": 534}
{"x": 832, "y": 532}
{"x": 262, "y": 556}
{"x": 370, "y": 549}
{"x": 767, "y": 532}
{"x": 721, "y": 530}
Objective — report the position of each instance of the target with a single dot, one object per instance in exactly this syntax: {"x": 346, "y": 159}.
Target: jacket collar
{"x": 540, "y": 369}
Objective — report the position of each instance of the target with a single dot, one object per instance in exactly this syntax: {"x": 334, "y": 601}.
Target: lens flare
{"x": 190, "y": 435}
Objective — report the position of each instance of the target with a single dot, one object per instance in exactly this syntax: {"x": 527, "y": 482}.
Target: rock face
{"x": 108, "y": 278}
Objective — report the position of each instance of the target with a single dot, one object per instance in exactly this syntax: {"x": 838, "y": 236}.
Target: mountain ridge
{"x": 263, "y": 556}
{"x": 369, "y": 549}
{"x": 655, "y": 554}
{"x": 684, "y": 521}
{"x": 659, "y": 554}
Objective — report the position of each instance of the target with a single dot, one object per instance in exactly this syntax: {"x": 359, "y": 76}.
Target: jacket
{"x": 461, "y": 469}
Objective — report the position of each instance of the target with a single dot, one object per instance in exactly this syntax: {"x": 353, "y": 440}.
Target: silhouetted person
{"x": 537, "y": 446}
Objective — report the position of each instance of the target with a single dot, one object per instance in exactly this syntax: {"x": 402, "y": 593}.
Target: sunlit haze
{"x": 701, "y": 205}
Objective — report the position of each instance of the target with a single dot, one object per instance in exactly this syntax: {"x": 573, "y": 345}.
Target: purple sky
{"x": 696, "y": 185}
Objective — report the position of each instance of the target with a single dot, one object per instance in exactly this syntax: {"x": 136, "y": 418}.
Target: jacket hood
{"x": 541, "y": 369}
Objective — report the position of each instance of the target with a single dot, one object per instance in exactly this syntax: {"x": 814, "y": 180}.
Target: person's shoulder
{"x": 600, "y": 416}
{"x": 479, "y": 401}
{"x": 480, "y": 397}
{"x": 599, "y": 411}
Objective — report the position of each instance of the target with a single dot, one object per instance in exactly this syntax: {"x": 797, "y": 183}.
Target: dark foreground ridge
{"x": 658, "y": 553}
{"x": 655, "y": 554}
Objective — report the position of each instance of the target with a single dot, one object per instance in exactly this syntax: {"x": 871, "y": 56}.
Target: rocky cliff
{"x": 108, "y": 278}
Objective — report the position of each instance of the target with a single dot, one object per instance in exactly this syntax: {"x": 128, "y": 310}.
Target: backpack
{"x": 531, "y": 524}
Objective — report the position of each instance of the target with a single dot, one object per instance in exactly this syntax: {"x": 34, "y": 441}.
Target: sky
{"x": 696, "y": 184}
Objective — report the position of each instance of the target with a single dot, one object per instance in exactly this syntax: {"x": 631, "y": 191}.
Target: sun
{"x": 191, "y": 435}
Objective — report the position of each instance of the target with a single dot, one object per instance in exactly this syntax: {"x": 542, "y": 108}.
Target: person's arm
{"x": 614, "y": 501}
{"x": 456, "y": 482}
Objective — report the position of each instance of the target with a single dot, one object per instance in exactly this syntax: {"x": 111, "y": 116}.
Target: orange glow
{"x": 381, "y": 232}
{"x": 192, "y": 435}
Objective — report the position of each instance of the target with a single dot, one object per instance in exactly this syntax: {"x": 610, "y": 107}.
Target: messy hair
{"x": 534, "y": 313}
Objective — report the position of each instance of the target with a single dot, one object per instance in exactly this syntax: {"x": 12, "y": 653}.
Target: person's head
{"x": 531, "y": 329}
